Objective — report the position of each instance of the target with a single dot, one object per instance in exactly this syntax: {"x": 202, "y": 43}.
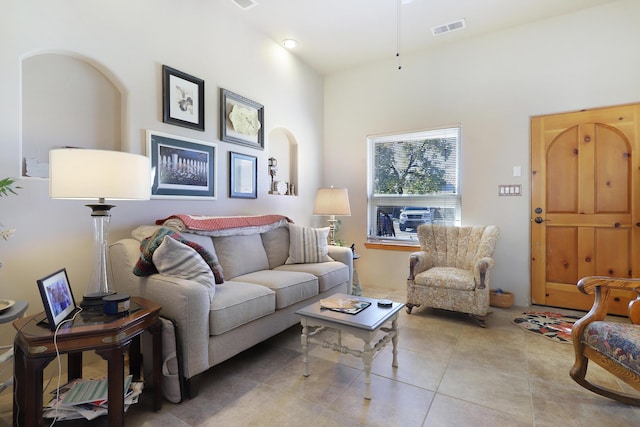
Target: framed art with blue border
{"x": 181, "y": 168}
{"x": 243, "y": 176}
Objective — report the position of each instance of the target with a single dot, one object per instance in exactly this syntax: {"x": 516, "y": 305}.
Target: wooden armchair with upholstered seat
{"x": 451, "y": 270}
{"x": 614, "y": 345}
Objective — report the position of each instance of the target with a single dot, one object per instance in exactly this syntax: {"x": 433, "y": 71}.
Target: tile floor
{"x": 451, "y": 373}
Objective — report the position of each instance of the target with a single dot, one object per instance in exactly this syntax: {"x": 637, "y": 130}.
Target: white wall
{"x": 492, "y": 86}
{"x": 132, "y": 40}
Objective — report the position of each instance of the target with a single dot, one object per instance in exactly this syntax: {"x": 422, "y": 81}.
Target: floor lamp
{"x": 332, "y": 202}
{"x": 99, "y": 175}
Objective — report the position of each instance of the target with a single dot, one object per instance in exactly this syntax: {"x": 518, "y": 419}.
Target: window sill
{"x": 393, "y": 246}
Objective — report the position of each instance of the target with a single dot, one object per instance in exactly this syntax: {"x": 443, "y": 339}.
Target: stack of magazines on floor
{"x": 87, "y": 399}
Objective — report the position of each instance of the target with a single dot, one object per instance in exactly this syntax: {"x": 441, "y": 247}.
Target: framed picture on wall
{"x": 243, "y": 176}
{"x": 181, "y": 168}
{"x": 241, "y": 120}
{"x": 182, "y": 99}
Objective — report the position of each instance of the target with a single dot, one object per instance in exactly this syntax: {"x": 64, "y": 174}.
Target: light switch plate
{"x": 510, "y": 190}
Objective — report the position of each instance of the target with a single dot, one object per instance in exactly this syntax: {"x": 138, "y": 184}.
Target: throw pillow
{"x": 145, "y": 267}
{"x": 308, "y": 245}
{"x": 175, "y": 259}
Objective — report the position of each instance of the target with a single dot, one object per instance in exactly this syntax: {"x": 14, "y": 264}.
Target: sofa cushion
{"x": 207, "y": 243}
{"x": 276, "y": 244}
{"x": 144, "y": 266}
{"x": 173, "y": 258}
{"x": 307, "y": 245}
{"x": 204, "y": 241}
{"x": 329, "y": 274}
{"x": 447, "y": 278}
{"x": 241, "y": 254}
{"x": 237, "y": 303}
{"x": 618, "y": 341}
{"x": 290, "y": 286}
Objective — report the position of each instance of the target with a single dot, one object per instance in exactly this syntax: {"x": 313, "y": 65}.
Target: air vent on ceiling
{"x": 452, "y": 26}
{"x": 245, "y": 4}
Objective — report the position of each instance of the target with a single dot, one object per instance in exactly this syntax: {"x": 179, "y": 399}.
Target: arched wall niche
{"x": 284, "y": 148}
{"x": 71, "y": 100}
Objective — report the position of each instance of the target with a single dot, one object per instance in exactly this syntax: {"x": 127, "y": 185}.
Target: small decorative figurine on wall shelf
{"x": 280, "y": 187}
{"x": 273, "y": 169}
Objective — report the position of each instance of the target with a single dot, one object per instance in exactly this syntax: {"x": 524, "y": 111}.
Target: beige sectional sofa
{"x": 264, "y": 284}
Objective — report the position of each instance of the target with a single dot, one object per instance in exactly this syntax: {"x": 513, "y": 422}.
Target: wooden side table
{"x": 109, "y": 336}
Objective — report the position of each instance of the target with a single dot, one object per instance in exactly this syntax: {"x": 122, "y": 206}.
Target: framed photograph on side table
{"x": 57, "y": 297}
{"x": 241, "y": 120}
{"x": 243, "y": 176}
{"x": 182, "y": 99}
{"x": 181, "y": 168}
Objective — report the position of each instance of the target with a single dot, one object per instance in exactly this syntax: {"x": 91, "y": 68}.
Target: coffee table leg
{"x": 304, "y": 339}
{"x": 394, "y": 341}
{"x": 367, "y": 358}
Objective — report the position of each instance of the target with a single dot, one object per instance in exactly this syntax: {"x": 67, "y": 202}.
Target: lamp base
{"x": 93, "y": 301}
{"x": 332, "y": 230}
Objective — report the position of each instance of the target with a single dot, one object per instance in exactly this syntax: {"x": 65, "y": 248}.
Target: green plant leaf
{"x": 7, "y": 186}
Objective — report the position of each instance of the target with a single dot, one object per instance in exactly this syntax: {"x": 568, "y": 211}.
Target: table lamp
{"x": 332, "y": 202}
{"x": 100, "y": 175}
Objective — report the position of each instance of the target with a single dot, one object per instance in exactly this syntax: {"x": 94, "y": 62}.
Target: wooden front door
{"x": 585, "y": 203}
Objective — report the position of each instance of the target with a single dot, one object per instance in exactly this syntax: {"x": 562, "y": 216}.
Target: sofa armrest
{"x": 344, "y": 255}
{"x": 480, "y": 270}
{"x": 182, "y": 300}
{"x": 418, "y": 262}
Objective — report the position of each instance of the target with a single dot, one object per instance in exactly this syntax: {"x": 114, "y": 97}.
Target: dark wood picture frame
{"x": 182, "y": 168}
{"x": 241, "y": 120}
{"x": 182, "y": 99}
{"x": 243, "y": 176}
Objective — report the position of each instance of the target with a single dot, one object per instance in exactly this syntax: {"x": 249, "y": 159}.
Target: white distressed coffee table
{"x": 364, "y": 325}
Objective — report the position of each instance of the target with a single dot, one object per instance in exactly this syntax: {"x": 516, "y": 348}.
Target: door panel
{"x": 562, "y": 172}
{"x": 613, "y": 253}
{"x": 585, "y": 213}
{"x": 613, "y": 171}
{"x": 562, "y": 254}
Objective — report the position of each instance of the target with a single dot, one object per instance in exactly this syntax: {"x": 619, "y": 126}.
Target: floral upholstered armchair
{"x": 614, "y": 345}
{"x": 451, "y": 270}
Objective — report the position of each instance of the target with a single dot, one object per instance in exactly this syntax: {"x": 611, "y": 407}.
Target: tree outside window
{"x": 413, "y": 179}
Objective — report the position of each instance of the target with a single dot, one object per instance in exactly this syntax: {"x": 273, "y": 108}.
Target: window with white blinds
{"x": 413, "y": 179}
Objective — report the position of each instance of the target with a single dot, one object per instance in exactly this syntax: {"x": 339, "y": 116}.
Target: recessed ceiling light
{"x": 289, "y": 43}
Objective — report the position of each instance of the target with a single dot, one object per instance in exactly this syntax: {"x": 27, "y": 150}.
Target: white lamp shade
{"x": 332, "y": 201}
{"x": 77, "y": 173}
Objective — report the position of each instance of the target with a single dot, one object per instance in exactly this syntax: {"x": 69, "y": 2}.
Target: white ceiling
{"x": 338, "y": 34}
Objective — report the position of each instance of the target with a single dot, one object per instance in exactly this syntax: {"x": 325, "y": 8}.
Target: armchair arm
{"x": 418, "y": 262}
{"x": 601, "y": 286}
{"x": 480, "y": 270}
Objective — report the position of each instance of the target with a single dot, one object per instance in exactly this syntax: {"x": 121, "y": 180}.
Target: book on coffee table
{"x": 344, "y": 305}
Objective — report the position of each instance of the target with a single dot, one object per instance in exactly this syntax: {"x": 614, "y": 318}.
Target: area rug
{"x": 554, "y": 326}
